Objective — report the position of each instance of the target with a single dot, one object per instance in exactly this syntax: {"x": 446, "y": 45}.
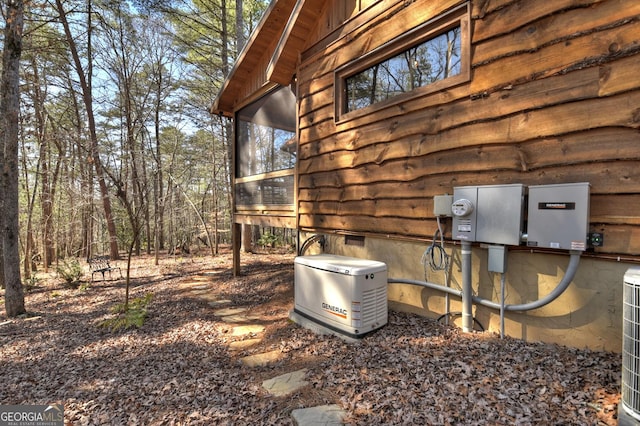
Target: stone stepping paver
{"x": 243, "y": 330}
{"x": 200, "y": 287}
{"x": 241, "y": 318}
{"x": 200, "y": 278}
{"x": 225, "y": 312}
{"x": 208, "y": 296}
{"x": 253, "y": 317}
{"x": 235, "y": 319}
{"x": 282, "y": 385}
{"x": 243, "y": 344}
{"x": 236, "y": 315}
{"x": 260, "y": 360}
{"x": 210, "y": 273}
{"x": 323, "y": 415}
{"x": 190, "y": 284}
{"x": 217, "y": 303}
{"x": 286, "y": 383}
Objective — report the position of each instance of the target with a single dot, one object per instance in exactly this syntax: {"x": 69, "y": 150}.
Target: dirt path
{"x": 185, "y": 365}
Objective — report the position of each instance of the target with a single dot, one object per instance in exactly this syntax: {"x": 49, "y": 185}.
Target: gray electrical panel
{"x": 559, "y": 216}
{"x": 490, "y": 213}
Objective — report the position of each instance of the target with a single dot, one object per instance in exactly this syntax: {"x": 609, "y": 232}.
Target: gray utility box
{"x": 490, "y": 213}
{"x": 559, "y": 216}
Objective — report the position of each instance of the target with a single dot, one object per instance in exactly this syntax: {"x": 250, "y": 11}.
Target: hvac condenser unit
{"x": 347, "y": 295}
{"x": 629, "y": 408}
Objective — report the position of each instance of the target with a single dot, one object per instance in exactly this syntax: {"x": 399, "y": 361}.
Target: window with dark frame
{"x": 266, "y": 147}
{"x": 431, "y": 57}
{"x": 432, "y": 60}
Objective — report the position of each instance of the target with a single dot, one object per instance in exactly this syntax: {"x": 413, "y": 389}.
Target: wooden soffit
{"x": 288, "y": 21}
{"x": 295, "y": 36}
{"x": 245, "y": 68}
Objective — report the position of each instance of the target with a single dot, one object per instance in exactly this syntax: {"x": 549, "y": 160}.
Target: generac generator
{"x": 344, "y": 294}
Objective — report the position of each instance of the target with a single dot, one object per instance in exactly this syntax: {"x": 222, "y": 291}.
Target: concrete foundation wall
{"x": 588, "y": 314}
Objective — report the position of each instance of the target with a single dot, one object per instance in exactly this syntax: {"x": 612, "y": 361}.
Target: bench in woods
{"x": 100, "y": 265}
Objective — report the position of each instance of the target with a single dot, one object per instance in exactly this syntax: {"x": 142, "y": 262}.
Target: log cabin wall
{"x": 553, "y": 97}
{"x": 336, "y": 13}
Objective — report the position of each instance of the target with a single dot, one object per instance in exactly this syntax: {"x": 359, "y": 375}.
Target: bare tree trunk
{"x": 47, "y": 196}
{"x": 216, "y": 223}
{"x": 2, "y": 284}
{"x": 147, "y": 210}
{"x": 240, "y": 38}
{"x": 42, "y": 172}
{"x": 85, "y": 84}
{"x": 28, "y": 242}
{"x": 158, "y": 196}
{"x": 85, "y": 172}
{"x": 158, "y": 184}
{"x": 46, "y": 203}
{"x": 9, "y": 116}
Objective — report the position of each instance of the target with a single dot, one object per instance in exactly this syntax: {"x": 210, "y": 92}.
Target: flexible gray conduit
{"x": 574, "y": 261}
{"x": 557, "y": 291}
{"x": 426, "y": 284}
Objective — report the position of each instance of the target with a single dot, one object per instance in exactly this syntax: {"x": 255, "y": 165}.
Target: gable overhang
{"x": 288, "y": 21}
{"x": 303, "y": 19}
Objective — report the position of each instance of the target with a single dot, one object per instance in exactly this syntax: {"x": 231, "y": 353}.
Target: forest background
{"x": 114, "y": 150}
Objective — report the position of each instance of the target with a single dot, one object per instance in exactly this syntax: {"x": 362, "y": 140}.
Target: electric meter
{"x": 462, "y": 208}
{"x": 488, "y": 213}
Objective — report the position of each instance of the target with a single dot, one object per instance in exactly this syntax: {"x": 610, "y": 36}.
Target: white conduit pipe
{"x": 466, "y": 266}
{"x": 502, "y": 305}
{"x": 467, "y": 291}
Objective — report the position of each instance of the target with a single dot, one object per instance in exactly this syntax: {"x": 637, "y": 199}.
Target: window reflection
{"x": 432, "y": 60}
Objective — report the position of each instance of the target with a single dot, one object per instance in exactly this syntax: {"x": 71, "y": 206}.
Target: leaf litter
{"x": 179, "y": 368}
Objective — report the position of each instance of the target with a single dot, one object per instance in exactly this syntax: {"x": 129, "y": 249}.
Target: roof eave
{"x": 224, "y": 102}
{"x": 283, "y": 63}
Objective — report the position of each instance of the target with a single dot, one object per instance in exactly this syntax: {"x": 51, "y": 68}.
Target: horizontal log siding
{"x": 554, "y": 97}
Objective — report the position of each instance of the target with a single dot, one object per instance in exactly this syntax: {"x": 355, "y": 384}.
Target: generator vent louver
{"x": 374, "y": 303}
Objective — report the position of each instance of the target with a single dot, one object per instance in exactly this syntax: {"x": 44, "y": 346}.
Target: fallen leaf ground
{"x": 178, "y": 369}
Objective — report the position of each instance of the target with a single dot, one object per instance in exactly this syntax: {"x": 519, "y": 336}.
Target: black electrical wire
{"x": 312, "y": 239}
{"x": 435, "y": 255}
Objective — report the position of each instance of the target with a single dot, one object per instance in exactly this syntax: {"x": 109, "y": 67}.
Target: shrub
{"x": 70, "y": 271}
{"x": 31, "y": 283}
{"x": 269, "y": 240}
{"x": 131, "y": 316}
